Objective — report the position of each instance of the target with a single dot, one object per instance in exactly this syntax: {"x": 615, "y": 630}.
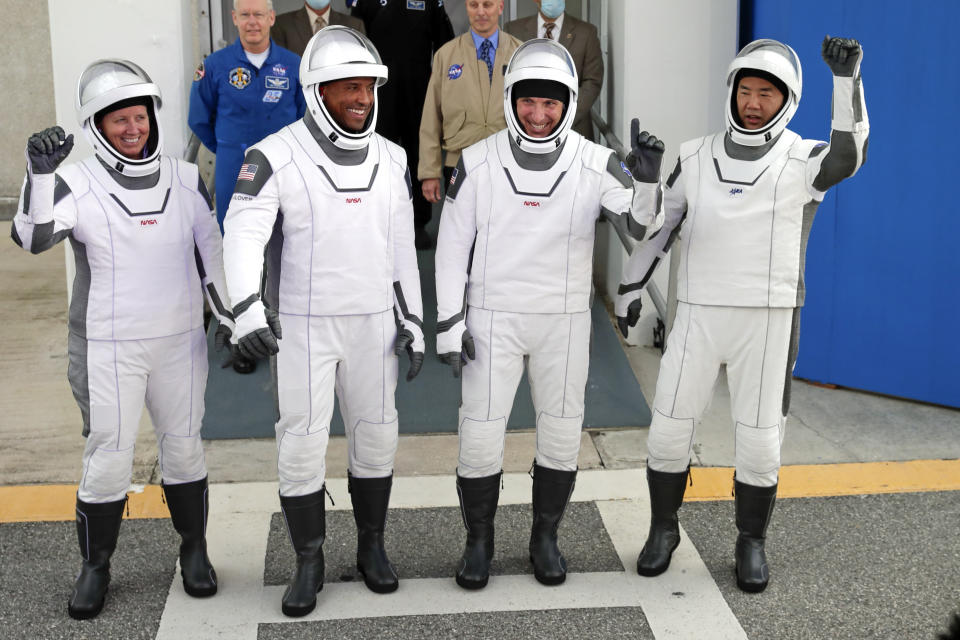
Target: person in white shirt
{"x": 330, "y": 201}
{"x": 147, "y": 247}
{"x": 745, "y": 198}
{"x": 513, "y": 269}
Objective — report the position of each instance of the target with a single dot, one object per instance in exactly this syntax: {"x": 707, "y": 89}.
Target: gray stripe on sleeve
{"x": 77, "y": 375}
{"x": 840, "y": 162}
{"x": 809, "y": 211}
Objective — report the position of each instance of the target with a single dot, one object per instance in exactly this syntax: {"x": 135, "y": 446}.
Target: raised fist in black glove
{"x": 646, "y": 154}
{"x": 842, "y": 55}
{"x": 47, "y": 149}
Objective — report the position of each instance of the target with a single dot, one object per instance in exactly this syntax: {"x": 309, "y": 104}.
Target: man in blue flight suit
{"x": 240, "y": 95}
{"x": 243, "y": 93}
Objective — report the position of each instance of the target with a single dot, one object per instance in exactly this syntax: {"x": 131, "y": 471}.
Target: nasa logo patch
{"x": 240, "y": 77}
{"x": 199, "y": 73}
{"x": 279, "y": 70}
{"x": 455, "y": 71}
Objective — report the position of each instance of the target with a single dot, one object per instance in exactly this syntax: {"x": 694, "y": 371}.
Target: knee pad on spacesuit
{"x": 181, "y": 459}
{"x": 373, "y": 448}
{"x": 669, "y": 443}
{"x": 481, "y": 447}
{"x": 301, "y": 465}
{"x": 106, "y": 474}
{"x": 558, "y": 441}
{"x": 758, "y": 454}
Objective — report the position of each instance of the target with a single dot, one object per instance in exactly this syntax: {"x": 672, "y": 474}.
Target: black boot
{"x": 188, "y": 511}
{"x": 551, "y": 494}
{"x": 478, "y": 506}
{"x": 370, "y": 497}
{"x": 666, "y": 496}
{"x": 98, "y": 525}
{"x": 307, "y": 525}
{"x": 754, "y": 508}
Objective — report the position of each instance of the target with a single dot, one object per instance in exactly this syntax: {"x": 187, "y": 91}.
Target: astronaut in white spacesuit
{"x": 514, "y": 262}
{"x": 331, "y": 202}
{"x": 145, "y": 240}
{"x": 745, "y": 198}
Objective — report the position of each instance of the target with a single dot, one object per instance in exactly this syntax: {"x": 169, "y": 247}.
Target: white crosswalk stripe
{"x": 679, "y": 604}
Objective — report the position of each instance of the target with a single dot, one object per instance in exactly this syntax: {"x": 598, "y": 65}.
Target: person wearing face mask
{"x": 241, "y": 94}
{"x": 330, "y": 201}
{"x": 745, "y": 199}
{"x": 581, "y": 40}
{"x": 147, "y": 248}
{"x": 514, "y": 261}
{"x": 293, "y": 29}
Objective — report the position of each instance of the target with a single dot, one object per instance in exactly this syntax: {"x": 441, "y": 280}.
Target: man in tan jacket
{"x": 464, "y": 102}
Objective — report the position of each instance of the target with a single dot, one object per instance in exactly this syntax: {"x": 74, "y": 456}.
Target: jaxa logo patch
{"x": 199, "y": 73}
{"x": 736, "y": 191}
{"x": 240, "y": 77}
{"x": 623, "y": 167}
{"x": 455, "y": 71}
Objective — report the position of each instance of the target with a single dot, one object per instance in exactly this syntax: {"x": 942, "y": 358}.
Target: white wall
{"x": 667, "y": 63}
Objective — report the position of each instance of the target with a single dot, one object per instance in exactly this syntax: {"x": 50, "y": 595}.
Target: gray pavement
{"x": 880, "y": 566}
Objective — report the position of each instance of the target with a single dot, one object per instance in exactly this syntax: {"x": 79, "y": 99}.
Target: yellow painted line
{"x": 849, "y": 479}
{"x": 46, "y": 503}
{"x": 53, "y": 502}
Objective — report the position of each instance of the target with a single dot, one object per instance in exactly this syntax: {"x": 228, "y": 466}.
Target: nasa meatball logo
{"x": 279, "y": 70}
{"x": 455, "y": 71}
{"x": 240, "y": 77}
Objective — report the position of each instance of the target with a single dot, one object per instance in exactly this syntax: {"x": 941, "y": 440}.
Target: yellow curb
{"x": 53, "y": 502}
{"x": 850, "y": 479}
{"x": 48, "y": 503}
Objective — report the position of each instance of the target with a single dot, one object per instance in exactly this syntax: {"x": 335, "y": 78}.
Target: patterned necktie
{"x": 549, "y": 27}
{"x": 486, "y": 47}
{"x": 319, "y": 23}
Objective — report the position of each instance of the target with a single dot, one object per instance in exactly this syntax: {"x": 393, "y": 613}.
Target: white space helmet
{"x": 781, "y": 62}
{"x": 107, "y": 82}
{"x": 334, "y": 53}
{"x": 540, "y": 59}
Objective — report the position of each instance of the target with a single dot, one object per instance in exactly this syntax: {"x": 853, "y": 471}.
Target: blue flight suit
{"x": 234, "y": 105}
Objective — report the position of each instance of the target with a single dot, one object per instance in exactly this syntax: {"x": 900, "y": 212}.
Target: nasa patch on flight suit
{"x": 240, "y": 77}
{"x": 455, "y": 71}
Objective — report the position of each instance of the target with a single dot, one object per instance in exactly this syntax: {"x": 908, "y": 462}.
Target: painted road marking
{"x": 678, "y": 604}
{"x": 45, "y": 503}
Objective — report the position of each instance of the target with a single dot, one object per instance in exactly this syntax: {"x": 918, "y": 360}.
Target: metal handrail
{"x": 620, "y": 226}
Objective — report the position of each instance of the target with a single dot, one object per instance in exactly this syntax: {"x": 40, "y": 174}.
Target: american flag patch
{"x": 247, "y": 172}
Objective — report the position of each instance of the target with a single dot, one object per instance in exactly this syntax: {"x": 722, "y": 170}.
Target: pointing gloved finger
{"x": 634, "y": 130}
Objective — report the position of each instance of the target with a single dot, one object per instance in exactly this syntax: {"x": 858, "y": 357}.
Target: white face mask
{"x": 552, "y": 8}
{"x": 318, "y": 5}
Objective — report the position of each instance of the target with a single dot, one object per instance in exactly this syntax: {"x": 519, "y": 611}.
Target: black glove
{"x": 221, "y": 339}
{"x": 842, "y": 55}
{"x": 458, "y": 360}
{"x": 630, "y": 320}
{"x": 260, "y": 342}
{"x": 273, "y": 320}
{"x": 405, "y": 343}
{"x": 646, "y": 154}
{"x": 47, "y": 149}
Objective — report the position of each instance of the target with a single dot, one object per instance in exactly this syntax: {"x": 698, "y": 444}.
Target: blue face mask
{"x": 319, "y": 5}
{"x": 552, "y": 8}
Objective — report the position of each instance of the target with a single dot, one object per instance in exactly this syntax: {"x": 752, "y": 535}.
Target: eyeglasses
{"x": 259, "y": 16}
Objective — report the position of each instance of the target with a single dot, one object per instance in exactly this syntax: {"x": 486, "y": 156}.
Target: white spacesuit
{"x": 145, "y": 241}
{"x": 745, "y": 198}
{"x": 513, "y": 267}
{"x": 332, "y": 206}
